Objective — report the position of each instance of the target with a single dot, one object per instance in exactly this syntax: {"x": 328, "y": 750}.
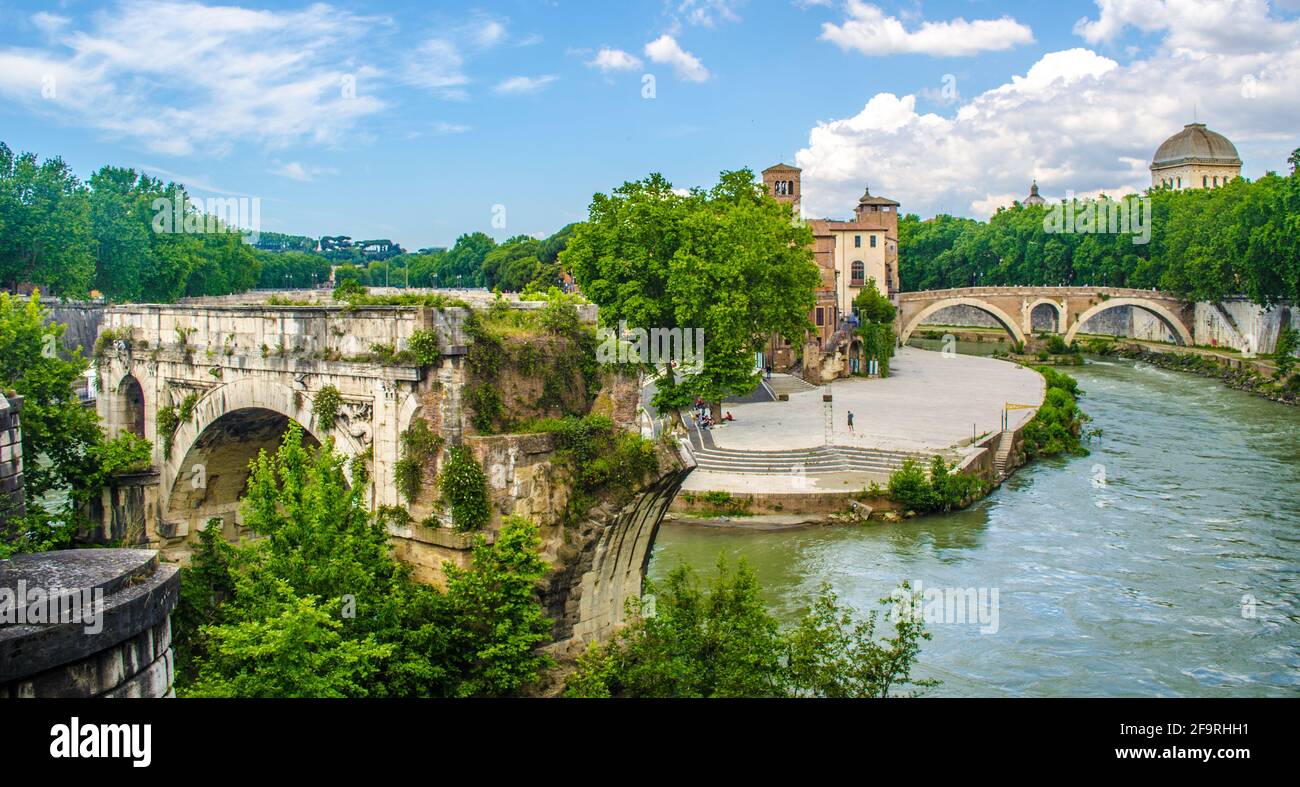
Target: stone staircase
{"x": 1006, "y": 441}
{"x": 788, "y": 384}
{"x": 821, "y": 459}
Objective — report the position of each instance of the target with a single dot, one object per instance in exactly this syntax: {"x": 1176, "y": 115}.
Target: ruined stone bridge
{"x": 1064, "y": 310}
{"x": 231, "y": 376}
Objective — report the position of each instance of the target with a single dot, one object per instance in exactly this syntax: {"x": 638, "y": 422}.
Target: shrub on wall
{"x": 464, "y": 488}
{"x": 425, "y": 347}
{"x": 939, "y": 490}
{"x": 325, "y": 408}
{"x": 419, "y": 446}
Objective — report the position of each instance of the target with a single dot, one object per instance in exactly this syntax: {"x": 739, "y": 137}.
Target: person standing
{"x": 850, "y": 422}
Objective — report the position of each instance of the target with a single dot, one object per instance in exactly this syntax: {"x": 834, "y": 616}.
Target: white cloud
{"x": 436, "y": 65}
{"x": 490, "y": 33}
{"x": 708, "y": 13}
{"x": 665, "y": 50}
{"x": 443, "y": 127}
{"x": 614, "y": 60}
{"x": 869, "y": 31}
{"x": 524, "y": 84}
{"x": 1076, "y": 120}
{"x": 181, "y": 76}
{"x": 296, "y": 171}
{"x": 1239, "y": 26}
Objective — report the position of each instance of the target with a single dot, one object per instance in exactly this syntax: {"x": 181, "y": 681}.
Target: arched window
{"x": 857, "y": 273}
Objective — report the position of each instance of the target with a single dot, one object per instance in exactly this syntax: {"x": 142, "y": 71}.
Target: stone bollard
{"x": 87, "y": 623}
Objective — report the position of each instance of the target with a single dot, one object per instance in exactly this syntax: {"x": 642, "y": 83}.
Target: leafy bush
{"x": 424, "y": 345}
{"x": 1058, "y": 425}
{"x": 464, "y": 489}
{"x": 720, "y": 641}
{"x": 318, "y": 606}
{"x": 325, "y": 405}
{"x": 419, "y": 446}
{"x": 939, "y": 490}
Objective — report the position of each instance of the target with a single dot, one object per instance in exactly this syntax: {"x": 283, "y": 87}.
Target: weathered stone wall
{"x": 81, "y": 321}
{"x": 1242, "y": 324}
{"x": 120, "y": 647}
{"x": 13, "y": 501}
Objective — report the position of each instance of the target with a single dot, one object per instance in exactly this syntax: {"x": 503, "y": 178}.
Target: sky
{"x": 419, "y": 122}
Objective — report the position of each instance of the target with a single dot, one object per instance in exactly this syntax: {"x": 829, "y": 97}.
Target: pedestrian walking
{"x": 850, "y": 422}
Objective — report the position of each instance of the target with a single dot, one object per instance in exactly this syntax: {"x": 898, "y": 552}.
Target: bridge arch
{"x": 1012, "y": 327}
{"x": 1167, "y": 317}
{"x": 206, "y": 472}
{"x": 128, "y": 404}
{"x": 1033, "y": 305}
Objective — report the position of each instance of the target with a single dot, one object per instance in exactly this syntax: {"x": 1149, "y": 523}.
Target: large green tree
{"x": 319, "y": 606}
{"x": 66, "y": 456}
{"x": 729, "y": 261}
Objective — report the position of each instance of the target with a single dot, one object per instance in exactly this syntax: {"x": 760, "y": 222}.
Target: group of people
{"x": 703, "y": 415}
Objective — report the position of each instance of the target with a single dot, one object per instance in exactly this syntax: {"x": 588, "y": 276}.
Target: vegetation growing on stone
{"x": 602, "y": 460}
{"x": 464, "y": 490}
{"x": 319, "y": 607}
{"x": 719, "y": 640}
{"x": 419, "y": 445}
{"x": 325, "y": 407}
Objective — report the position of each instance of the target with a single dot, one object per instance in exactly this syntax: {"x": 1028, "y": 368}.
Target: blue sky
{"x": 946, "y": 106}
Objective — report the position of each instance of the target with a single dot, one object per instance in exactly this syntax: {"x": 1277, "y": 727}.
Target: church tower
{"x": 782, "y": 182}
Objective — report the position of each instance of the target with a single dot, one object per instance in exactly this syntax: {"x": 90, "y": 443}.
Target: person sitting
{"x": 728, "y": 416}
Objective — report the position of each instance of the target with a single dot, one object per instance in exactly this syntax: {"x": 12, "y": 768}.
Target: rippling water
{"x": 1129, "y": 572}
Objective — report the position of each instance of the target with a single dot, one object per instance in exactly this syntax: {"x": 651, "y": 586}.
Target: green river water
{"x": 1166, "y": 563}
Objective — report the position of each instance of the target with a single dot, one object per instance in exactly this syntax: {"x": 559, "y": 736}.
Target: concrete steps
{"x": 821, "y": 459}
{"x": 788, "y": 384}
{"x": 1006, "y": 441}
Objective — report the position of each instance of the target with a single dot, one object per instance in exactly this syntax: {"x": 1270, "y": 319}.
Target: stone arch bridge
{"x": 1068, "y": 307}
{"x": 232, "y": 375}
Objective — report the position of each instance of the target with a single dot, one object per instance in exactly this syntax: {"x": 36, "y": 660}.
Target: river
{"x": 1166, "y": 563}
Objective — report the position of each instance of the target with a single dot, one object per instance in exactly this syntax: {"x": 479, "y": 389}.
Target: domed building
{"x": 1195, "y": 158}
{"x": 1034, "y": 198}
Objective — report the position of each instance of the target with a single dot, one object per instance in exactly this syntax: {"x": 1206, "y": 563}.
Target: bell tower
{"x": 782, "y": 182}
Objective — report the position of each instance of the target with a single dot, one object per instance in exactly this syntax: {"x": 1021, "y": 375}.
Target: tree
{"x": 319, "y": 606}
{"x": 720, "y": 641}
{"x": 65, "y": 453}
{"x": 730, "y": 262}
{"x": 1294, "y": 160}
{"x": 45, "y": 225}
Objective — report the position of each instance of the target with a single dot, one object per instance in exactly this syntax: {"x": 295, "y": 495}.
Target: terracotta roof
{"x": 782, "y": 168}
{"x": 867, "y": 199}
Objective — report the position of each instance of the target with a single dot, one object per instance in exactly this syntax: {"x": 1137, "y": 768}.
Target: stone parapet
{"x": 111, "y": 636}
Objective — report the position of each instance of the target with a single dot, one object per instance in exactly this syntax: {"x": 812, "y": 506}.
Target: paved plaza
{"x": 931, "y": 402}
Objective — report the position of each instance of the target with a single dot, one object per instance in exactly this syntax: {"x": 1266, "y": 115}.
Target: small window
{"x": 821, "y": 317}
{"x": 1205, "y": 181}
{"x": 857, "y": 241}
{"x": 873, "y": 241}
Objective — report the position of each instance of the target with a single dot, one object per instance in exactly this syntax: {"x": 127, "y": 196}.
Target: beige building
{"x": 1195, "y": 158}
{"x": 849, "y": 254}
